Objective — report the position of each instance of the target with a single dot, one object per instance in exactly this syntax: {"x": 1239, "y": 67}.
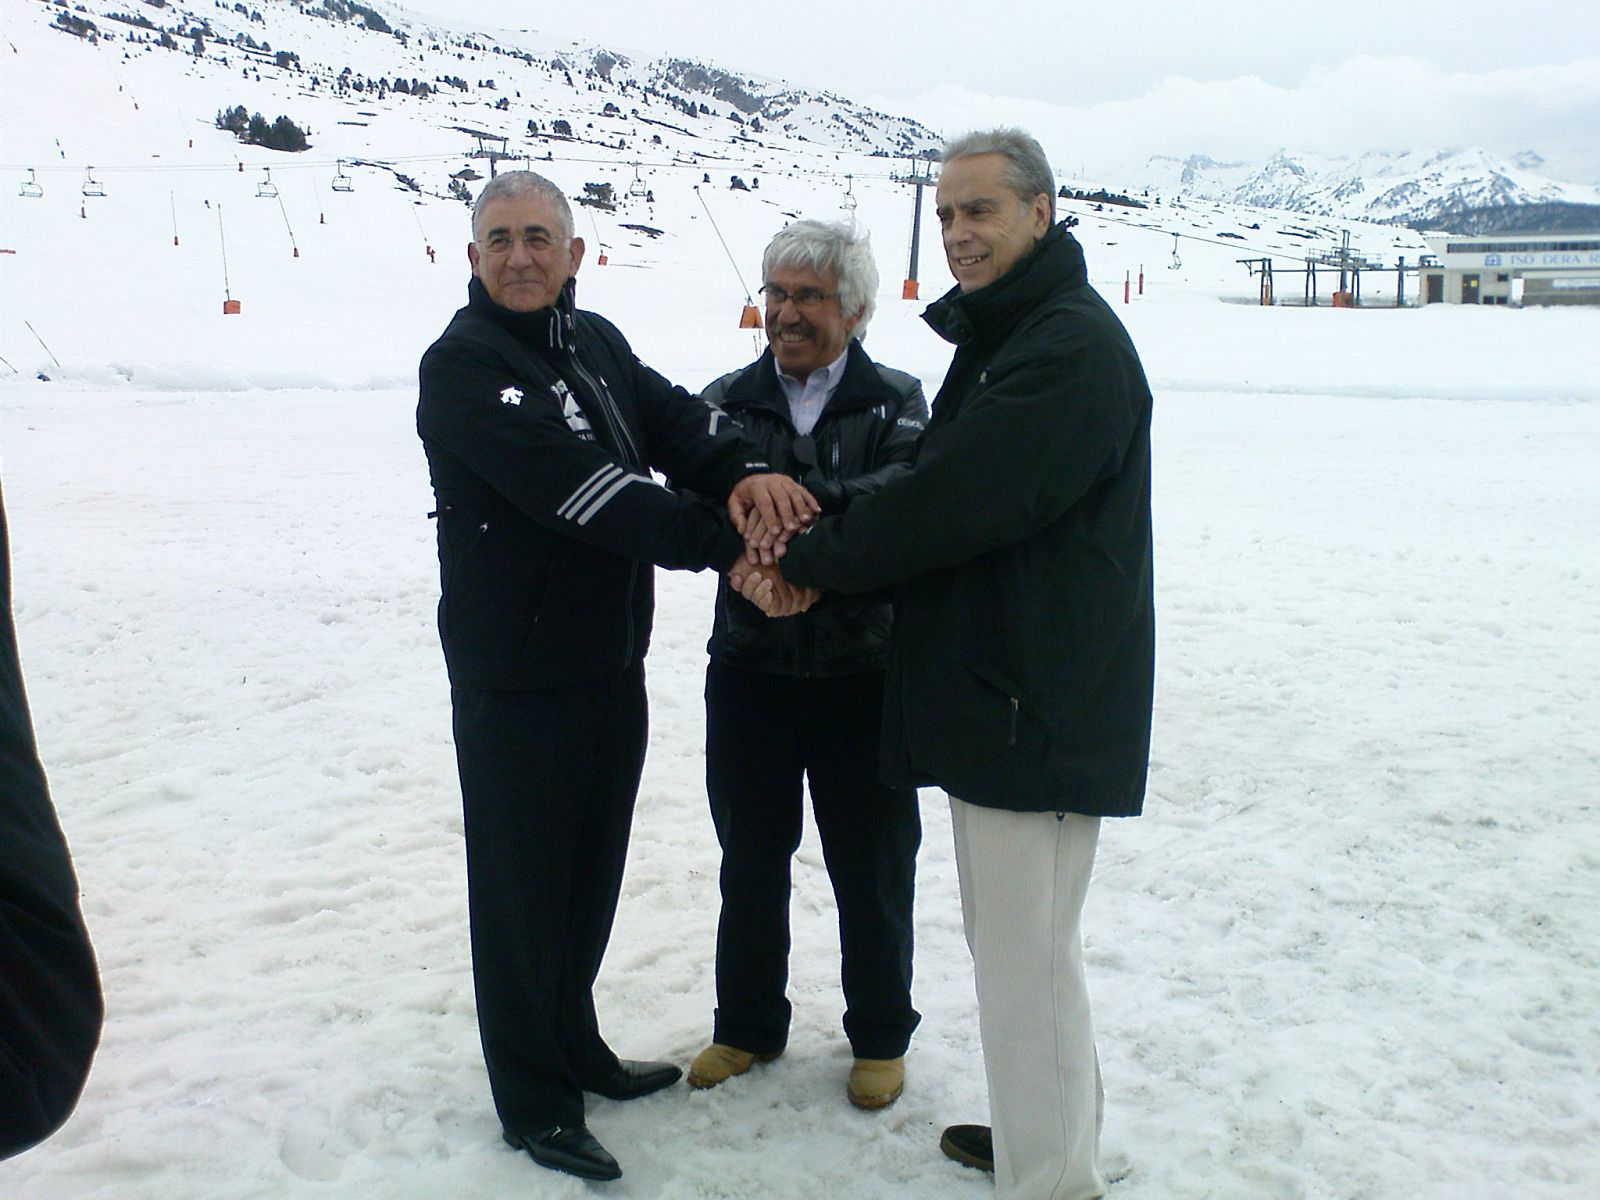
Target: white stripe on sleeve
{"x": 606, "y": 496}
{"x": 588, "y": 488}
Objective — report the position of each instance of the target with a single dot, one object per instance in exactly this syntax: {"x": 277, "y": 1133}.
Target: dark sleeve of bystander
{"x": 50, "y": 1003}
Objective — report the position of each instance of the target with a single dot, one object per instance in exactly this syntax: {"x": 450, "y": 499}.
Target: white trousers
{"x": 1024, "y": 877}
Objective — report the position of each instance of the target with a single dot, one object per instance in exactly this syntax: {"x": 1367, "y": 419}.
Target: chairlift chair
{"x": 637, "y": 187}
{"x": 849, "y": 201}
{"x": 30, "y": 187}
{"x": 1176, "y": 262}
{"x": 341, "y": 181}
{"x": 266, "y": 189}
{"x": 91, "y": 185}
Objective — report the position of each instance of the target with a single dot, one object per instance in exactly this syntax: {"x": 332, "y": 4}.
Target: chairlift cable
{"x": 747, "y": 297}
{"x": 222, "y": 237}
{"x": 288, "y": 226}
{"x": 47, "y": 349}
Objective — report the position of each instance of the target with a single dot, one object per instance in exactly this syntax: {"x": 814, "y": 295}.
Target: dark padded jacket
{"x": 866, "y": 434}
{"x": 1022, "y": 663}
{"x": 541, "y": 430}
{"x": 50, "y": 1004}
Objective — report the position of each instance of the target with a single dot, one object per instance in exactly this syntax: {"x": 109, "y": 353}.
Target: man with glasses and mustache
{"x": 800, "y": 699}
{"x": 541, "y": 430}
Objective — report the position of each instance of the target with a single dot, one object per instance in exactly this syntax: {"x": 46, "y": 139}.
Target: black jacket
{"x": 1022, "y": 663}
{"x": 541, "y": 430}
{"x": 50, "y": 1005}
{"x": 867, "y": 433}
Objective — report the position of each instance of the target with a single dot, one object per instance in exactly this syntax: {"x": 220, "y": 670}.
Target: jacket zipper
{"x": 626, "y": 446}
{"x": 619, "y": 430}
{"x": 1011, "y": 738}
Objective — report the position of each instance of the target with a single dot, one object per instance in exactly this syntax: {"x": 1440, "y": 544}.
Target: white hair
{"x": 830, "y": 245}
{"x": 523, "y": 183}
{"x": 1028, "y": 172}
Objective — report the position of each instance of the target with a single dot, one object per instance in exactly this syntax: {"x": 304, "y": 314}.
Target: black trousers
{"x": 764, "y": 735}
{"x": 548, "y": 781}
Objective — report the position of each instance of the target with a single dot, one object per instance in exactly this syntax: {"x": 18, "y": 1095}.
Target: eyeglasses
{"x": 806, "y": 297}
{"x": 535, "y": 242}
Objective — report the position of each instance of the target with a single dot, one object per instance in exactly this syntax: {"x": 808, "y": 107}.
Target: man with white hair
{"x": 800, "y": 699}
{"x": 541, "y": 429}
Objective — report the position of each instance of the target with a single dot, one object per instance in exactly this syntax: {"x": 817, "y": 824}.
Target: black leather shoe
{"x": 569, "y": 1148}
{"x": 970, "y": 1145}
{"x": 634, "y": 1079}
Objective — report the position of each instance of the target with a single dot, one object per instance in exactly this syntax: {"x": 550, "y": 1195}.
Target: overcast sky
{"x": 1108, "y": 84}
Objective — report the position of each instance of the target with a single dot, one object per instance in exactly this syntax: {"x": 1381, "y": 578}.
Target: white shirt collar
{"x": 830, "y": 375}
{"x": 808, "y": 399}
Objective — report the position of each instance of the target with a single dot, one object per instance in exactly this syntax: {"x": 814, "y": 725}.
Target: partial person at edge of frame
{"x": 51, "y": 1009}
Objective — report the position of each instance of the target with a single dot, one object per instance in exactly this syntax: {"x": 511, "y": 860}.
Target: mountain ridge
{"x": 527, "y": 90}
{"x": 1466, "y": 189}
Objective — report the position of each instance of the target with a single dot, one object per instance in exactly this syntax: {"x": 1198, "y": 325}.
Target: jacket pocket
{"x": 495, "y": 591}
{"x": 1022, "y": 721}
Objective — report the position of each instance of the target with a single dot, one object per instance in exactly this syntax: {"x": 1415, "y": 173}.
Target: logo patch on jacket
{"x": 511, "y": 395}
{"x": 570, "y": 412}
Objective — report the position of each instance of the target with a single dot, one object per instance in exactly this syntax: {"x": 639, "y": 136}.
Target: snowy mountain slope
{"x": 1416, "y": 189}
{"x": 139, "y": 121}
{"x": 406, "y": 120}
{"x": 303, "y": 57}
{"x": 341, "y": 66}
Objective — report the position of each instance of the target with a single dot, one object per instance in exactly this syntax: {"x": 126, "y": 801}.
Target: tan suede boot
{"x": 876, "y": 1082}
{"x": 718, "y": 1064}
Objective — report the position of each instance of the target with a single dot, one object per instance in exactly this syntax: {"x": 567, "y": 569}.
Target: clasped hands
{"x": 767, "y": 510}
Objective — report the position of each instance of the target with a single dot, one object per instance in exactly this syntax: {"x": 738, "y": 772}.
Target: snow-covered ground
{"x": 1351, "y": 951}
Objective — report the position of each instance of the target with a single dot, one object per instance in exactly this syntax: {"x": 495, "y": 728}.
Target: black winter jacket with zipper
{"x": 1022, "y": 663}
{"x": 865, "y": 435}
{"x": 541, "y": 430}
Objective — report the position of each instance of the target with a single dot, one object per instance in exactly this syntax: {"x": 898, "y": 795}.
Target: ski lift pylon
{"x": 30, "y": 187}
{"x": 266, "y": 189}
{"x": 91, "y": 185}
{"x": 341, "y": 181}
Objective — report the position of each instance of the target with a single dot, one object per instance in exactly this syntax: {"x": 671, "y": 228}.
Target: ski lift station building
{"x": 1512, "y": 268}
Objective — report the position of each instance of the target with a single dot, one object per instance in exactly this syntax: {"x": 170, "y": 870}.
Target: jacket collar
{"x": 550, "y": 328}
{"x": 1056, "y": 263}
{"x": 859, "y": 387}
